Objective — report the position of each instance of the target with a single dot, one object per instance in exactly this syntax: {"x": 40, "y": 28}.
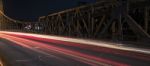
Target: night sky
{"x": 32, "y": 9}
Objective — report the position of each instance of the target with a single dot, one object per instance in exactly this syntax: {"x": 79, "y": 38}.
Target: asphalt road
{"x": 29, "y": 51}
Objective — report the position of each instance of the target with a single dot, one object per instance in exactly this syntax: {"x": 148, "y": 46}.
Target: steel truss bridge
{"x": 117, "y": 20}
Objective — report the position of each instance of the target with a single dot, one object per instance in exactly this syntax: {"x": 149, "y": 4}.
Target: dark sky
{"x": 32, "y": 9}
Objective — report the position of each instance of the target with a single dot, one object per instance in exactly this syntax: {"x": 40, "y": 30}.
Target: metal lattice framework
{"x": 117, "y": 20}
{"x": 114, "y": 20}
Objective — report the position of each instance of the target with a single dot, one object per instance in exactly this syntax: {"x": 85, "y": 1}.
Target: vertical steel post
{"x": 146, "y": 19}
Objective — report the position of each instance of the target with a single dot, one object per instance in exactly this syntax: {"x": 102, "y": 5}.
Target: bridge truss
{"x": 117, "y": 20}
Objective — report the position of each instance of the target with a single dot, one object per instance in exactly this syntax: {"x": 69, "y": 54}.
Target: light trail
{"x": 48, "y": 46}
{"x": 100, "y": 48}
{"x": 82, "y": 41}
{"x": 89, "y": 47}
{"x": 45, "y": 48}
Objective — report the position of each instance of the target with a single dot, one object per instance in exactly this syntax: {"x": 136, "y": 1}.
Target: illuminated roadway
{"x": 23, "y": 49}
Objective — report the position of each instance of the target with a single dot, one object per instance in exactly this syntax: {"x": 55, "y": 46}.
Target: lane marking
{"x": 25, "y": 60}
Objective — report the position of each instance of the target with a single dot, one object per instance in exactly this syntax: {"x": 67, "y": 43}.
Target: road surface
{"x": 22, "y": 50}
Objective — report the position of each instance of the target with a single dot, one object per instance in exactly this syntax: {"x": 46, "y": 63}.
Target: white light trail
{"x": 83, "y": 41}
